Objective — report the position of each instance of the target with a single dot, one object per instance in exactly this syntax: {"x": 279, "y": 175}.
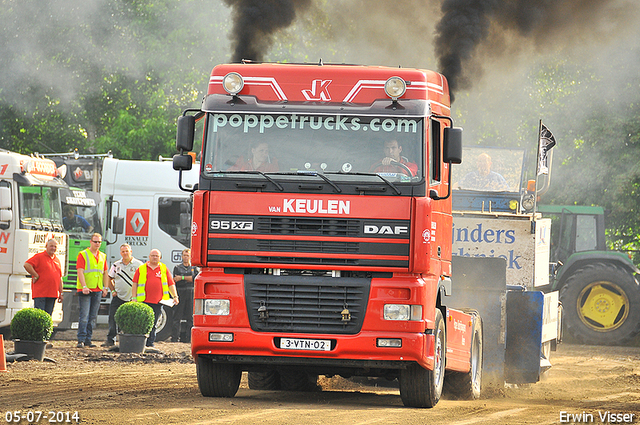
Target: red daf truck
{"x": 322, "y": 224}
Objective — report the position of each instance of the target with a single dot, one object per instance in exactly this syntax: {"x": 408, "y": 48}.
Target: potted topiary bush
{"x": 135, "y": 321}
{"x": 31, "y": 328}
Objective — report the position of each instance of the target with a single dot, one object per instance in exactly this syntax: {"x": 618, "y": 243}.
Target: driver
{"x": 484, "y": 178}
{"x": 392, "y": 152}
{"x": 71, "y": 220}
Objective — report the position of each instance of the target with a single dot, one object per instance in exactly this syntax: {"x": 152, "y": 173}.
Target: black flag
{"x": 546, "y": 142}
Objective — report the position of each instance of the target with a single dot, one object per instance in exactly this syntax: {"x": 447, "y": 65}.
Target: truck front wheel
{"x": 420, "y": 387}
{"x": 601, "y": 304}
{"x": 217, "y": 379}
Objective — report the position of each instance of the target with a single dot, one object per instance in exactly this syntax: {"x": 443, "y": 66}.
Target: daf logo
{"x": 385, "y": 230}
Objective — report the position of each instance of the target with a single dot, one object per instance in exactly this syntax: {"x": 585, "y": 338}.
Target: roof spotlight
{"x": 395, "y": 87}
{"x": 233, "y": 83}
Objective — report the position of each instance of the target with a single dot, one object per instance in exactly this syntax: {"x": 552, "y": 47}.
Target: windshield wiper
{"x": 280, "y": 188}
{"x": 391, "y": 185}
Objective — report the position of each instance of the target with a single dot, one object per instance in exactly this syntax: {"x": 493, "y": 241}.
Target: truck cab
{"x": 322, "y": 225}
{"x": 30, "y": 214}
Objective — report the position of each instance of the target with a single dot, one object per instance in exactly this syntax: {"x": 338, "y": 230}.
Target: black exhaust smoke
{"x": 466, "y": 24}
{"x": 255, "y": 22}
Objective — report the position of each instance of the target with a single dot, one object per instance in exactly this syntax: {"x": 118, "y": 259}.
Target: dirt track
{"x": 111, "y": 388}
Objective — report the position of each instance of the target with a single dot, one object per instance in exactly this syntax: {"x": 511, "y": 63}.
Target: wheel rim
{"x": 162, "y": 321}
{"x": 438, "y": 366}
{"x": 603, "y": 306}
{"x": 475, "y": 363}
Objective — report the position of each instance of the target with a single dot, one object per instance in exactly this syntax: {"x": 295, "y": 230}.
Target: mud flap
{"x": 70, "y": 310}
{"x": 481, "y": 284}
{"x": 524, "y": 336}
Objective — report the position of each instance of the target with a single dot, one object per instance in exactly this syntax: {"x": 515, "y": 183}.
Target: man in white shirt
{"x": 119, "y": 282}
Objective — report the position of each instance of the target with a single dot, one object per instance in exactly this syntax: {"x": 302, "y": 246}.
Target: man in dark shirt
{"x": 72, "y": 220}
{"x": 184, "y": 275}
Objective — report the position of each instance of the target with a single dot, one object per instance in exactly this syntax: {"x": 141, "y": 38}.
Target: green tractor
{"x": 598, "y": 288}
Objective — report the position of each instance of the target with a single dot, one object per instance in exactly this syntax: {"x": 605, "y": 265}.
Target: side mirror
{"x": 5, "y": 198}
{"x": 186, "y": 133}
{"x": 452, "y": 145}
{"x": 182, "y": 162}
{"x": 6, "y": 214}
{"x": 118, "y": 225}
{"x": 185, "y": 223}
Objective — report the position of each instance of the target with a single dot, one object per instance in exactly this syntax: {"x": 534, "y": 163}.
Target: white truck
{"x": 149, "y": 211}
{"x": 30, "y": 214}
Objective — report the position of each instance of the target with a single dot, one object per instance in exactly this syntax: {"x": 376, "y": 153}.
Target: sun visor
{"x": 31, "y": 180}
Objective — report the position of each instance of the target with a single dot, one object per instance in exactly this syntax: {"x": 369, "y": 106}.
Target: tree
{"x": 104, "y": 75}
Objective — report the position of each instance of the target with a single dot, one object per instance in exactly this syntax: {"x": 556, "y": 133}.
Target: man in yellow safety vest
{"x": 153, "y": 285}
{"x": 92, "y": 271}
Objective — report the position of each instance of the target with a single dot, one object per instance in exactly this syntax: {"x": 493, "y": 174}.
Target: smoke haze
{"x": 467, "y": 24}
{"x": 256, "y": 21}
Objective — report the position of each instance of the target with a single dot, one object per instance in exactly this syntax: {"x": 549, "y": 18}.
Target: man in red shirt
{"x": 152, "y": 285}
{"x": 46, "y": 277}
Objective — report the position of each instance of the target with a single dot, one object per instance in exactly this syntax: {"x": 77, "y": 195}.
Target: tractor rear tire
{"x": 420, "y": 387}
{"x": 217, "y": 379}
{"x": 601, "y": 305}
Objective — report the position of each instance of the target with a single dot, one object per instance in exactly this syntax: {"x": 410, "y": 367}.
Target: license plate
{"x": 305, "y": 344}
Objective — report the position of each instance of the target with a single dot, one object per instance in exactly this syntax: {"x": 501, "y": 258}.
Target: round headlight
{"x": 528, "y": 202}
{"x": 233, "y": 83}
{"x": 395, "y": 87}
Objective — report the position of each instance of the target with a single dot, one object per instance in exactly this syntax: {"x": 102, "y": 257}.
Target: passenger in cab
{"x": 258, "y": 160}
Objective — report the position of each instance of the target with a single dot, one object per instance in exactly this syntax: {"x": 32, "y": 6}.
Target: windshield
{"x": 40, "y": 208}
{"x": 273, "y": 144}
{"x": 489, "y": 170}
{"x": 80, "y": 213}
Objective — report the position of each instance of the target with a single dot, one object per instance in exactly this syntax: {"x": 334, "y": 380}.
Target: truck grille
{"x": 309, "y": 240}
{"x": 308, "y": 226}
{"x": 71, "y": 279}
{"x": 306, "y": 304}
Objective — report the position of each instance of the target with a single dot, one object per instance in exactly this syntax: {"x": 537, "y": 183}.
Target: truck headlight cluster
{"x": 21, "y": 297}
{"x": 402, "y": 312}
{"x": 220, "y": 337}
{"x": 212, "y": 307}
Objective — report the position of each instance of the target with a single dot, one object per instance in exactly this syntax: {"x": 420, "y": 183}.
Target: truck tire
{"x": 298, "y": 380}
{"x": 268, "y": 380}
{"x": 601, "y": 305}
{"x": 420, "y": 387}
{"x": 163, "y": 325}
{"x": 217, "y": 379}
{"x": 466, "y": 386}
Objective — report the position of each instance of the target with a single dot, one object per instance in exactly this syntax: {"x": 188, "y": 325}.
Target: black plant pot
{"x": 132, "y": 343}
{"x": 33, "y": 349}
